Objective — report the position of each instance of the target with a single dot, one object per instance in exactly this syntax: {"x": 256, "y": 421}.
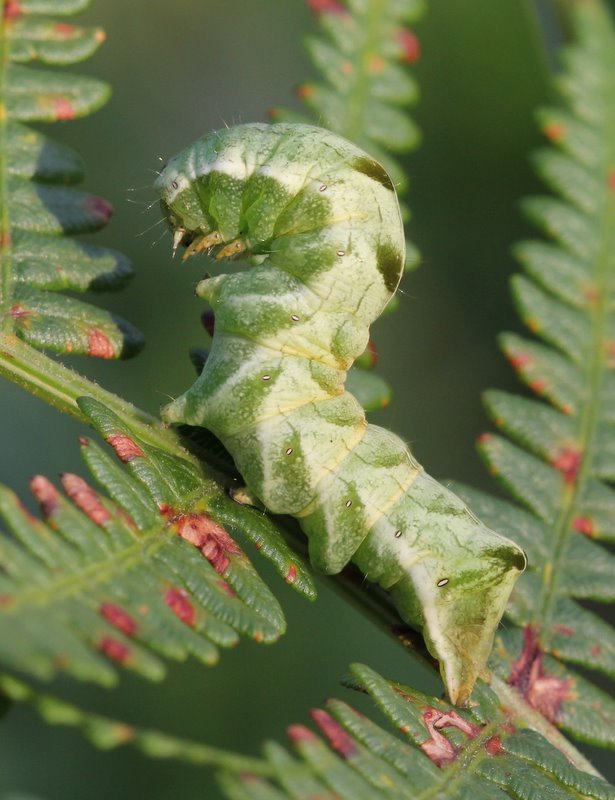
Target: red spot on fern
{"x": 177, "y": 600}
{"x": 438, "y": 748}
{"x": 326, "y": 7}
{"x": 610, "y": 179}
{"x": 47, "y": 495}
{"x": 63, "y": 109}
{"x": 84, "y": 441}
{"x": 305, "y": 91}
{"x": 338, "y": 737}
{"x": 99, "y": 345}
{"x": 596, "y": 650}
{"x": 568, "y": 460}
{"x": 494, "y": 746}
{"x": 484, "y": 438}
{"x": 410, "y": 45}
{"x": 119, "y": 618}
{"x": 99, "y": 208}
{"x": 125, "y": 447}
{"x": 542, "y": 691}
{"x": 85, "y": 498}
{"x": 555, "y": 131}
{"x": 538, "y": 385}
{"x": 208, "y": 320}
{"x": 610, "y": 355}
{"x": 211, "y": 539}
{"x": 64, "y": 29}
{"x": 20, "y": 312}
{"x": 291, "y": 575}
{"x": 6, "y": 600}
{"x": 116, "y": 651}
{"x": 565, "y": 630}
{"x": 5, "y": 239}
{"x": 519, "y": 360}
{"x": 12, "y": 10}
{"x": 584, "y": 525}
{"x": 226, "y": 588}
{"x": 299, "y": 733}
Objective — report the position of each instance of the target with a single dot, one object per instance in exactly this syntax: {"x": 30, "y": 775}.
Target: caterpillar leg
{"x": 202, "y": 243}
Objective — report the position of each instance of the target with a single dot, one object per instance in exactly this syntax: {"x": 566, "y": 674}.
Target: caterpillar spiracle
{"x": 320, "y": 221}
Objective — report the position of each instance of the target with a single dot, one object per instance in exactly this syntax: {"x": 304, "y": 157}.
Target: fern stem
{"x": 60, "y": 387}
{"x": 6, "y": 257}
{"x": 108, "y": 733}
{"x": 511, "y": 699}
{"x": 352, "y": 127}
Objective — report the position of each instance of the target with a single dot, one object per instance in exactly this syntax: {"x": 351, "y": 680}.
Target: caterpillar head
{"x": 182, "y": 206}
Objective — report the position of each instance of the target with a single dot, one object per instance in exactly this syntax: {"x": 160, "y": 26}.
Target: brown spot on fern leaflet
{"x": 584, "y": 525}
{"x": 99, "y": 344}
{"x": 438, "y": 748}
{"x": 326, "y": 7}
{"x": 610, "y": 180}
{"x": 299, "y": 734}
{"x": 568, "y": 460}
{"x": 64, "y": 29}
{"x": 126, "y": 448}
{"x": 410, "y": 45}
{"x": 12, "y": 10}
{"x": 20, "y": 312}
{"x": 542, "y": 691}
{"x": 85, "y": 498}
{"x": 6, "y": 600}
{"x": 114, "y": 649}
{"x": 291, "y": 575}
{"x": 305, "y": 91}
{"x": 211, "y": 539}
{"x": 339, "y": 739}
{"x": 119, "y": 618}
{"x": 99, "y": 208}
{"x": 47, "y": 495}
{"x": 177, "y": 600}
{"x": 555, "y": 131}
{"x": 5, "y": 239}
{"x": 63, "y": 109}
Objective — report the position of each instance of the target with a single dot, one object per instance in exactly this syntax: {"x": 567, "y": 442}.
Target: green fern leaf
{"x": 562, "y": 456}
{"x": 484, "y": 752}
{"x": 156, "y": 570}
{"x": 38, "y": 210}
{"x": 445, "y": 753}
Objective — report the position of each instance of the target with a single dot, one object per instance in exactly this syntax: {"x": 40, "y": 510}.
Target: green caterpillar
{"x": 320, "y": 220}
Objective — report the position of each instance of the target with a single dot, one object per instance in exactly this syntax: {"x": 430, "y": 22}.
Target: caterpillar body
{"x": 320, "y": 220}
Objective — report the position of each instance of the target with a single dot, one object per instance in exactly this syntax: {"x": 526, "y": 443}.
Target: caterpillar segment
{"x": 320, "y": 222}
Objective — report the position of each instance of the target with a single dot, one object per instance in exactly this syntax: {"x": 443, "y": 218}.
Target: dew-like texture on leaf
{"x": 40, "y": 207}
{"x": 155, "y": 568}
{"x": 560, "y": 463}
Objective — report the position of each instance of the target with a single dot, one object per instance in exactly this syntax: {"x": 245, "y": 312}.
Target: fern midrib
{"x": 589, "y": 417}
{"x": 353, "y": 127}
{"x": 6, "y": 251}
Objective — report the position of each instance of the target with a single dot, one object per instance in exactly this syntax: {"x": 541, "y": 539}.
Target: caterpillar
{"x": 320, "y": 222}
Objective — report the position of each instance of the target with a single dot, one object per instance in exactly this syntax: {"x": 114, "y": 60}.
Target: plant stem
{"x": 60, "y": 386}
{"x": 108, "y": 733}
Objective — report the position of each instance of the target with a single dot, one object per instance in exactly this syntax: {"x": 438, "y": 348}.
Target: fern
{"x": 152, "y": 569}
{"x": 562, "y": 458}
{"x": 39, "y": 210}
{"x": 101, "y": 582}
{"x": 447, "y": 753}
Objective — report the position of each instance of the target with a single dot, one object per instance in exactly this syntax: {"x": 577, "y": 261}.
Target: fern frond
{"x": 561, "y": 461}
{"x": 362, "y": 57}
{"x": 156, "y": 570}
{"x": 443, "y": 752}
{"x": 39, "y": 207}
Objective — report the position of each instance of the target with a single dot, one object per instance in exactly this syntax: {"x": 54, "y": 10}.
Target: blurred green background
{"x": 178, "y": 70}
